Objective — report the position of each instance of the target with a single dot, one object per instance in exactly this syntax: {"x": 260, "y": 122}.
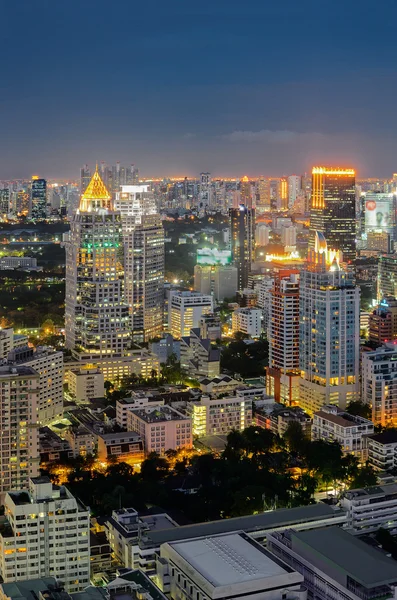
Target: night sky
{"x": 182, "y": 86}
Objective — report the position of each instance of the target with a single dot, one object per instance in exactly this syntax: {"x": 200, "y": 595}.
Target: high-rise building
{"x": 5, "y": 201}
{"x": 242, "y": 227}
{"x": 38, "y": 198}
{"x": 333, "y": 210}
{"x": 282, "y": 193}
{"x": 205, "y": 192}
{"x": 283, "y": 334}
{"x": 85, "y": 178}
{"x": 329, "y": 335}
{"x": 263, "y": 200}
{"x": 382, "y": 323}
{"x": 380, "y": 212}
{"x": 19, "y": 450}
{"x": 218, "y": 280}
{"x": 294, "y": 189}
{"x": 288, "y": 237}
{"x": 46, "y": 534}
{"x": 262, "y": 232}
{"x": 185, "y": 310}
{"x": 97, "y": 319}
{"x": 143, "y": 236}
{"x": 379, "y": 384}
{"x": 48, "y": 363}
{"x": 245, "y": 191}
{"x": 387, "y": 276}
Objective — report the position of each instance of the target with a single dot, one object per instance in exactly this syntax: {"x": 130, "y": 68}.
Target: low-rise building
{"x": 24, "y": 263}
{"x": 137, "y": 400}
{"x": 126, "y": 446}
{"x": 382, "y": 450}
{"x": 210, "y": 327}
{"x": 164, "y": 347}
{"x": 125, "y": 529}
{"x": 85, "y": 383}
{"x": 81, "y": 440}
{"x": 351, "y": 431}
{"x": 215, "y": 416}
{"x": 336, "y": 564}
{"x": 52, "y": 448}
{"x": 226, "y": 566}
{"x": 198, "y": 357}
{"x": 279, "y": 417}
{"x": 46, "y": 534}
{"x": 222, "y": 384}
{"x": 248, "y": 321}
{"x": 161, "y": 428}
{"x": 370, "y": 508}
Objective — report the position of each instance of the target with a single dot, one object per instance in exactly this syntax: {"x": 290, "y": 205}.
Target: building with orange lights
{"x": 329, "y": 330}
{"x": 333, "y": 209}
{"x": 97, "y": 319}
{"x": 383, "y": 322}
{"x": 282, "y": 379}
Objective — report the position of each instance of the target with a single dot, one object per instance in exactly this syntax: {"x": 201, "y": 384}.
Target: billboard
{"x": 380, "y": 213}
{"x": 212, "y": 256}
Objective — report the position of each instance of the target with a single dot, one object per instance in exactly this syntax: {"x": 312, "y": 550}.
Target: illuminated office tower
{"x": 329, "y": 330}
{"x": 333, "y": 210}
{"x": 38, "y": 198}
{"x": 242, "y": 228}
{"x": 19, "y": 449}
{"x": 245, "y": 191}
{"x": 85, "y": 178}
{"x": 282, "y": 193}
{"x": 283, "y": 333}
{"x": 263, "y": 200}
{"x": 97, "y": 319}
{"x": 143, "y": 235}
{"x": 185, "y": 310}
{"x": 294, "y": 189}
{"x": 387, "y": 276}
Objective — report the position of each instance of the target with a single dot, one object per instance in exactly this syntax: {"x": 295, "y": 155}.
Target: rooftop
{"x": 374, "y": 491}
{"x": 284, "y": 517}
{"x": 157, "y": 414}
{"x": 386, "y": 437}
{"x": 343, "y": 551}
{"x": 343, "y": 419}
{"x": 230, "y": 559}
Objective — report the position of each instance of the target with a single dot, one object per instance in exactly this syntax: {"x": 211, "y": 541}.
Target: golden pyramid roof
{"x": 95, "y": 191}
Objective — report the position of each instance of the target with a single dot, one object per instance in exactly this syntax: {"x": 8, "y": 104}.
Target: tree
{"x": 154, "y": 467}
{"x": 295, "y": 438}
{"x": 359, "y": 409}
{"x": 365, "y": 477}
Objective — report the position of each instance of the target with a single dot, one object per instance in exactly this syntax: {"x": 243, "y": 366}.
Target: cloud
{"x": 188, "y": 136}
{"x": 280, "y": 136}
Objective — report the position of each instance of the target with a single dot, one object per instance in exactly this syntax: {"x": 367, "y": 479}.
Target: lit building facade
{"x": 333, "y": 210}
{"x": 143, "y": 236}
{"x": 185, "y": 310}
{"x": 294, "y": 189}
{"x": 263, "y": 201}
{"x": 387, "y": 276}
{"x": 19, "y": 446}
{"x": 329, "y": 329}
{"x": 242, "y": 225}
{"x": 283, "y": 335}
{"x": 97, "y": 318}
{"x": 38, "y": 198}
{"x": 379, "y": 384}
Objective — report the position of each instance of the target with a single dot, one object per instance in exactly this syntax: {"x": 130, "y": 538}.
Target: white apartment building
{"x": 137, "y": 400}
{"x": 225, "y": 566}
{"x": 6, "y": 342}
{"x": 294, "y": 189}
{"x": 185, "y": 310}
{"x": 161, "y": 428}
{"x": 329, "y": 331}
{"x": 288, "y": 237}
{"x": 262, "y": 232}
{"x": 49, "y": 364}
{"x": 85, "y": 384}
{"x": 219, "y": 416}
{"x": 351, "y": 431}
{"x": 248, "y": 321}
{"x": 379, "y": 383}
{"x": 335, "y": 564}
{"x": 19, "y": 444}
{"x": 224, "y": 282}
{"x": 47, "y": 535}
{"x": 382, "y": 450}
{"x": 264, "y": 299}
{"x": 370, "y": 508}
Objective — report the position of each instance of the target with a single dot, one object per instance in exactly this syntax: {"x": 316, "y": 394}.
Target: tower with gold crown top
{"x": 97, "y": 320}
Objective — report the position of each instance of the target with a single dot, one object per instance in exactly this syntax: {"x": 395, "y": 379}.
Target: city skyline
{"x": 210, "y": 87}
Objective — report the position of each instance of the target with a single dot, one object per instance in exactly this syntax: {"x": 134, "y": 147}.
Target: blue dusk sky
{"x": 183, "y": 86}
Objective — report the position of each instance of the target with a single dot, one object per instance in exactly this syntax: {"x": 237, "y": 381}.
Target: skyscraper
{"x": 294, "y": 188}
{"x": 85, "y": 178}
{"x": 263, "y": 194}
{"x": 205, "y": 191}
{"x": 245, "y": 191}
{"x": 242, "y": 228}
{"x": 282, "y": 193}
{"x": 97, "y": 320}
{"x": 329, "y": 313}
{"x": 333, "y": 210}
{"x": 38, "y": 198}
{"x": 143, "y": 236}
{"x": 283, "y": 335}
{"x": 19, "y": 449}
{"x": 387, "y": 276}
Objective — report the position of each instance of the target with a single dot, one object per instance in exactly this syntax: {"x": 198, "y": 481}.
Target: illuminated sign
{"x": 380, "y": 213}
{"x": 208, "y": 256}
